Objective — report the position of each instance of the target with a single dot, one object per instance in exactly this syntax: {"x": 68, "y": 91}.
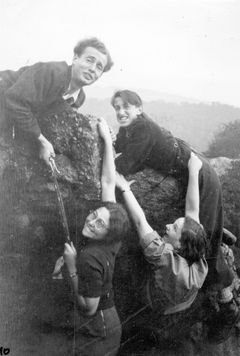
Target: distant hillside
{"x": 195, "y": 123}
{"x": 94, "y": 91}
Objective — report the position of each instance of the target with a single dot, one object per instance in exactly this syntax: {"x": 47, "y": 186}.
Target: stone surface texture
{"x": 31, "y": 233}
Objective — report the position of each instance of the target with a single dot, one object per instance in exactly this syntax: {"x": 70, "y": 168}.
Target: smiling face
{"x": 97, "y": 224}
{"x": 174, "y": 232}
{"x": 126, "y": 113}
{"x": 87, "y": 67}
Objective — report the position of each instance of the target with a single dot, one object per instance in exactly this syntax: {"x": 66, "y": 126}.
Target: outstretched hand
{"x": 122, "y": 183}
{"x": 194, "y": 163}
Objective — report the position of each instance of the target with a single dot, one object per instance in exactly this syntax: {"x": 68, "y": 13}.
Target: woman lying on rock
{"x": 144, "y": 144}
{"x": 98, "y": 329}
{"x": 177, "y": 260}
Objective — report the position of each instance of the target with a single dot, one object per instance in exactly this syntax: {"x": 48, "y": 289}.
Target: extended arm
{"x": 36, "y": 88}
{"x": 108, "y": 177}
{"x": 29, "y": 93}
{"x": 151, "y": 243}
{"x": 135, "y": 210}
{"x": 192, "y": 197}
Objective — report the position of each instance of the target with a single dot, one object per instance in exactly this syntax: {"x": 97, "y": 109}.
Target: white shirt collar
{"x": 73, "y": 95}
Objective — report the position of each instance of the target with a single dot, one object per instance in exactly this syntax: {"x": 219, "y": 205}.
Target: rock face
{"x": 30, "y": 225}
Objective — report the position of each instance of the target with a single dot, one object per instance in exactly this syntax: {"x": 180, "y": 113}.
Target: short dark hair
{"x": 95, "y": 43}
{"x": 127, "y": 96}
{"x": 119, "y": 223}
{"x": 193, "y": 241}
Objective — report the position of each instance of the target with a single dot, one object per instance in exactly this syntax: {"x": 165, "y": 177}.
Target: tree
{"x": 231, "y": 198}
{"x": 226, "y": 142}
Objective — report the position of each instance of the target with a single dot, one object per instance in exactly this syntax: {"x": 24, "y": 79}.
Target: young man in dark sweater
{"x": 27, "y": 93}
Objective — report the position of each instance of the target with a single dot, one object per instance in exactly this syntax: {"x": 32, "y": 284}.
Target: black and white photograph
{"x": 120, "y": 178}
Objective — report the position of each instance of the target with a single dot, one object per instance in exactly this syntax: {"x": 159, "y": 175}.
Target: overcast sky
{"x": 185, "y": 47}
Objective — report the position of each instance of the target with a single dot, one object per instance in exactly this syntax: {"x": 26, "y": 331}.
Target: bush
{"x": 231, "y": 198}
{"x": 226, "y": 142}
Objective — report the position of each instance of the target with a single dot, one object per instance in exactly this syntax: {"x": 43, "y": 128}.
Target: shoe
{"x": 222, "y": 323}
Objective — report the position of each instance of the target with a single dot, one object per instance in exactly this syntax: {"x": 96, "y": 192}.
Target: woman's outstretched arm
{"x": 108, "y": 177}
{"x": 135, "y": 210}
{"x": 192, "y": 197}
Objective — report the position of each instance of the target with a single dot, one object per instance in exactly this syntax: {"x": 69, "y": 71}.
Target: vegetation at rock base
{"x": 226, "y": 143}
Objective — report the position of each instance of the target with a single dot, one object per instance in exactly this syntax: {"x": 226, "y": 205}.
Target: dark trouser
{"x": 97, "y": 335}
{"x": 211, "y": 217}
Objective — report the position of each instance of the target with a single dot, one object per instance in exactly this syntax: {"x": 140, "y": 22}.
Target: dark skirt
{"x": 98, "y": 335}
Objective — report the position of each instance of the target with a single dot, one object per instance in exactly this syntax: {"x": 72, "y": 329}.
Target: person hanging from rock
{"x": 98, "y": 329}
{"x": 177, "y": 260}
{"x": 142, "y": 143}
{"x": 26, "y": 94}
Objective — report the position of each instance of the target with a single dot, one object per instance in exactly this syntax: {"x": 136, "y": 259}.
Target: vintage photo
{"x": 120, "y": 178}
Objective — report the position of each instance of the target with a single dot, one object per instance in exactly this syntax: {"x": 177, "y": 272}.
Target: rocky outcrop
{"x": 30, "y": 226}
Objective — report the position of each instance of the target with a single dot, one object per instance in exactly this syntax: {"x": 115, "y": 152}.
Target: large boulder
{"x": 31, "y": 230}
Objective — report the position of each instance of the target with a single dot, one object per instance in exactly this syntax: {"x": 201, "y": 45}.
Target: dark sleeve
{"x": 135, "y": 149}
{"x": 90, "y": 276}
{"x": 34, "y": 89}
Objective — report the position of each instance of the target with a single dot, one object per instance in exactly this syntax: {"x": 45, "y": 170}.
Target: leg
{"x": 211, "y": 216}
{"x": 103, "y": 336}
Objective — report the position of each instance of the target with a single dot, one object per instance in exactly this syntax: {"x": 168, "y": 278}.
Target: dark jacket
{"x": 145, "y": 144}
{"x": 31, "y": 90}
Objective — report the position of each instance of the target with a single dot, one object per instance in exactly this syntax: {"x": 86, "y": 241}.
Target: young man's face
{"x": 88, "y": 67}
{"x": 174, "y": 232}
{"x": 125, "y": 112}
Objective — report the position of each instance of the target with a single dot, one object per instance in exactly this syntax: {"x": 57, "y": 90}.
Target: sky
{"x": 189, "y": 48}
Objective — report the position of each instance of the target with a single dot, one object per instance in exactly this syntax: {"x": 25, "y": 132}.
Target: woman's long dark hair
{"x": 119, "y": 223}
{"x": 193, "y": 241}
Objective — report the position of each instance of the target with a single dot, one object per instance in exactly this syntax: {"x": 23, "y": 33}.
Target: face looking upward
{"x": 87, "y": 67}
{"x": 126, "y": 113}
{"x": 174, "y": 232}
{"x": 97, "y": 224}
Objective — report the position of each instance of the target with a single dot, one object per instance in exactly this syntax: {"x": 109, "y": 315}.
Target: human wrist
{"x": 193, "y": 171}
{"x": 108, "y": 140}
{"x": 43, "y": 142}
{"x": 125, "y": 190}
{"x": 41, "y": 138}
